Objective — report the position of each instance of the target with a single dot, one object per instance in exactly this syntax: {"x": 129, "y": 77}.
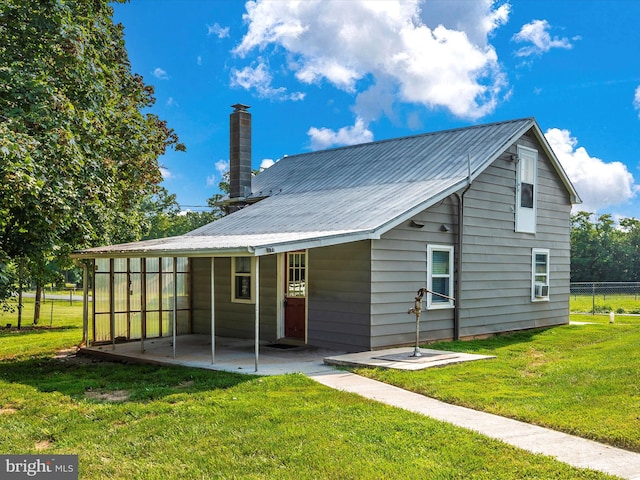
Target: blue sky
{"x": 323, "y": 73}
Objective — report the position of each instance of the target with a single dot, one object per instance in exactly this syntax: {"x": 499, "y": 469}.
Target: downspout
{"x": 458, "y": 286}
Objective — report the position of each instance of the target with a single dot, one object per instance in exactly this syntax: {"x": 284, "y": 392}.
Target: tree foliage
{"x": 603, "y": 251}
{"x": 165, "y": 219}
{"x": 78, "y": 155}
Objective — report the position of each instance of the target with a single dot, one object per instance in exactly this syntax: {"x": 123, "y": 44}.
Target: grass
{"x": 60, "y": 327}
{"x": 605, "y": 304}
{"x": 160, "y": 422}
{"x": 580, "y": 379}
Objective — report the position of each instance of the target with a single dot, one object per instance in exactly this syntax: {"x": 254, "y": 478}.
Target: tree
{"x": 165, "y": 219}
{"x": 78, "y": 156}
{"x": 583, "y": 239}
{"x": 603, "y": 251}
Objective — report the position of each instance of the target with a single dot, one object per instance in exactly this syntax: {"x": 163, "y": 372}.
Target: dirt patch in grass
{"x": 185, "y": 384}
{"x": 7, "y": 410}
{"x": 42, "y": 445}
{"x": 114, "y": 396}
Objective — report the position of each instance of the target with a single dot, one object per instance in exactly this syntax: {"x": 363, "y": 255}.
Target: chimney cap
{"x": 239, "y": 107}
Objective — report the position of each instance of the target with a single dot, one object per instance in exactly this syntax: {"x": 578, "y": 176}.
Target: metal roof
{"x": 346, "y": 194}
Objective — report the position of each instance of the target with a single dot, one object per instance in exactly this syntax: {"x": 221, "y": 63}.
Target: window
{"x": 296, "y": 285}
{"x": 439, "y": 275}
{"x": 526, "y": 190}
{"x": 539, "y": 275}
{"x": 242, "y": 279}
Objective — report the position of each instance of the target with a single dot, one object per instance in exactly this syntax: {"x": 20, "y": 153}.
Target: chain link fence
{"x": 604, "y": 297}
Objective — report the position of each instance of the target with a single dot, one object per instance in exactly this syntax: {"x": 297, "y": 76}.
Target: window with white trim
{"x": 539, "y": 274}
{"x": 439, "y": 275}
{"x": 526, "y": 190}
{"x": 242, "y": 279}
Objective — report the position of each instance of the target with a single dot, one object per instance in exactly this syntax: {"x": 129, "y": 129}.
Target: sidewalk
{"x": 575, "y": 451}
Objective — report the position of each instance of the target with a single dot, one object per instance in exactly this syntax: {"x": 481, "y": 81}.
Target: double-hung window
{"x": 440, "y": 276}
{"x": 242, "y": 279}
{"x": 539, "y": 274}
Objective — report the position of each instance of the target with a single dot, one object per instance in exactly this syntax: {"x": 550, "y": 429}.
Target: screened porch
{"x": 140, "y": 298}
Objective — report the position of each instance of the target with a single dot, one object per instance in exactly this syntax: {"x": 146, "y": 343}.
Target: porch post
{"x": 112, "y": 305}
{"x": 175, "y": 303}
{"x": 213, "y": 312}
{"x": 257, "y": 315}
{"x": 85, "y": 304}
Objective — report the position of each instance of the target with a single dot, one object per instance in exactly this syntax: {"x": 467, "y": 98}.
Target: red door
{"x": 295, "y": 291}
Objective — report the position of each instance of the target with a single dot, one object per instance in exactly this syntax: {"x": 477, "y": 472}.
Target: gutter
{"x": 458, "y": 285}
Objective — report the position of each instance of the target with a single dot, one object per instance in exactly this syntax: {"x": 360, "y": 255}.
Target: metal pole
{"x": 257, "y": 293}
{"x": 417, "y": 308}
{"x": 213, "y": 312}
{"x": 143, "y": 302}
{"x": 85, "y": 306}
{"x": 175, "y": 303}
{"x": 112, "y": 304}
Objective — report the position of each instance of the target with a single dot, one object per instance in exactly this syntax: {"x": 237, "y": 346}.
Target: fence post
{"x": 593, "y": 298}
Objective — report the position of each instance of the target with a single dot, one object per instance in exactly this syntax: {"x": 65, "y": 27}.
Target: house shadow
{"x": 496, "y": 341}
{"x": 90, "y": 379}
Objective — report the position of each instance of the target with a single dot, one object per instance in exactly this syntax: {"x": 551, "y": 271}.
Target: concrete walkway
{"x": 575, "y": 451}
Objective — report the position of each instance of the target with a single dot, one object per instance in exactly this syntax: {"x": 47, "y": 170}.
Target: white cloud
{"x": 478, "y": 19}
{"x": 199, "y": 60}
{"x": 171, "y": 102}
{"x": 218, "y": 31}
{"x": 636, "y": 100}
{"x": 537, "y": 34}
{"x": 166, "y": 173}
{"x": 266, "y": 163}
{"x": 420, "y": 51}
{"x": 222, "y": 166}
{"x": 160, "y": 74}
{"x": 259, "y": 78}
{"x": 324, "y": 137}
{"x": 600, "y": 184}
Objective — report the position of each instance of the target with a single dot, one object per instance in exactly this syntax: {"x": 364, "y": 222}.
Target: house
{"x": 329, "y": 248}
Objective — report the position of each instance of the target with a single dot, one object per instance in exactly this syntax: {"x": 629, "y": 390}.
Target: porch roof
{"x": 303, "y": 220}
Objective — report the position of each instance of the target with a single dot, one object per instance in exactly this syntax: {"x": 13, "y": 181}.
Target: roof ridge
{"x": 417, "y": 135}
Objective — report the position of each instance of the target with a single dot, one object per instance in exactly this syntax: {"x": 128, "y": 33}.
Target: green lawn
{"x": 580, "y": 379}
{"x": 605, "y": 303}
{"x": 183, "y": 423}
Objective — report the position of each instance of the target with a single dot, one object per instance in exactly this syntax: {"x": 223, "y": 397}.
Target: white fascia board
{"x": 231, "y": 252}
{"x": 314, "y": 243}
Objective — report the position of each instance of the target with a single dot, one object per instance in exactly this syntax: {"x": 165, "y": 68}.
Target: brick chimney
{"x": 239, "y": 152}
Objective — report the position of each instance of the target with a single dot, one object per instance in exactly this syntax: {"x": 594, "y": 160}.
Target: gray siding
{"x": 399, "y": 269}
{"x": 496, "y": 271}
{"x": 339, "y": 294}
{"x": 232, "y": 319}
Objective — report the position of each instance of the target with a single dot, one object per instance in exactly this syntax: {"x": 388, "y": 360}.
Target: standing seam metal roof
{"x": 360, "y": 190}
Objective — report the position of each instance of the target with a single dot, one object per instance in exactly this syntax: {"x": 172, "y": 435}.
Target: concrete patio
{"x": 231, "y": 354}
{"x": 238, "y": 355}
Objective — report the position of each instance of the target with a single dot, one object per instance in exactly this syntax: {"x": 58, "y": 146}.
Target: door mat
{"x": 281, "y": 346}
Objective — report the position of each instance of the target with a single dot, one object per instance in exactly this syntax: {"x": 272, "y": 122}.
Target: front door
{"x": 295, "y": 292}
